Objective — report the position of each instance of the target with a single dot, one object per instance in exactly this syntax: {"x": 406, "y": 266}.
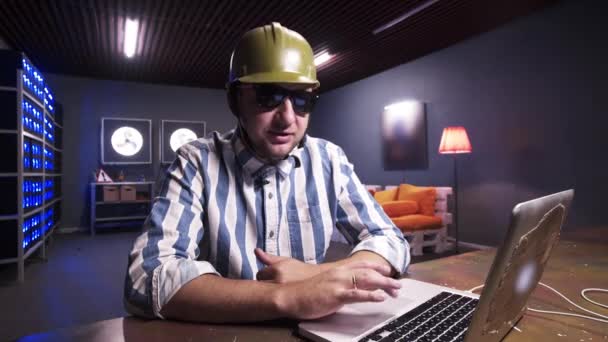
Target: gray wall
{"x": 532, "y": 95}
{"x": 86, "y": 101}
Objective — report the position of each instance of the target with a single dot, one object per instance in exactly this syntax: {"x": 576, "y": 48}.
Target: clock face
{"x": 127, "y": 141}
{"x": 181, "y": 136}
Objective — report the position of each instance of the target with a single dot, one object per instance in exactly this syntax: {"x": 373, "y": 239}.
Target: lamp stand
{"x": 455, "y": 221}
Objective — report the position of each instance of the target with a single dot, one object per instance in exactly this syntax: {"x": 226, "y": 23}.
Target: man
{"x": 261, "y": 202}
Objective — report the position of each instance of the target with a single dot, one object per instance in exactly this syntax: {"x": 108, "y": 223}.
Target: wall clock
{"x": 175, "y": 133}
{"x": 126, "y": 141}
{"x": 181, "y": 136}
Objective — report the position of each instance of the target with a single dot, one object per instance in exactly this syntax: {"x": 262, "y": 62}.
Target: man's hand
{"x": 283, "y": 269}
{"x": 327, "y": 292}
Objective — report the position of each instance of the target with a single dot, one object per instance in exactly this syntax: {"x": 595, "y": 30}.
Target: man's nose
{"x": 285, "y": 112}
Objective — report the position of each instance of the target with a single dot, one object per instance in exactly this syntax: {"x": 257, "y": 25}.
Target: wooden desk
{"x": 579, "y": 261}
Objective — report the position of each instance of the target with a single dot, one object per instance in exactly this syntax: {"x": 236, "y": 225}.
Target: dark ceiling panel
{"x": 189, "y": 42}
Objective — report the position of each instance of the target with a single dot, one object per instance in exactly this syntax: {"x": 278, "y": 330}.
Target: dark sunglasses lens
{"x": 299, "y": 102}
{"x": 270, "y": 96}
{"x": 276, "y": 100}
{"x": 304, "y": 102}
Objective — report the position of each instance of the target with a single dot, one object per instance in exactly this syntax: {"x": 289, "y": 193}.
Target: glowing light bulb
{"x": 130, "y": 43}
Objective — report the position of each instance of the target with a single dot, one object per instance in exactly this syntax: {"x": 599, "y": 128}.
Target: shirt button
{"x": 270, "y": 195}
{"x": 271, "y": 234}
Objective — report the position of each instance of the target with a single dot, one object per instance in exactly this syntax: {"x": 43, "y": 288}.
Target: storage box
{"x": 110, "y": 193}
{"x": 127, "y": 193}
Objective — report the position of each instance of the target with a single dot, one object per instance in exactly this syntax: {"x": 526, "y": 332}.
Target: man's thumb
{"x": 267, "y": 259}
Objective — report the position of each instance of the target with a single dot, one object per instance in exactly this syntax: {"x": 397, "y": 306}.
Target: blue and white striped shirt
{"x": 218, "y": 203}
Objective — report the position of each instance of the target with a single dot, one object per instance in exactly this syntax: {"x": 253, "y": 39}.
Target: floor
{"x": 81, "y": 282}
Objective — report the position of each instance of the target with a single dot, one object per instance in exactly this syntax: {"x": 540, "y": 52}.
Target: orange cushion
{"x": 425, "y": 196}
{"x": 386, "y": 195}
{"x": 400, "y": 208}
{"x": 416, "y": 222}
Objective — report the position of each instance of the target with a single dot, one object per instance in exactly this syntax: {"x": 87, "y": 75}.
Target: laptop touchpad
{"x": 355, "y": 319}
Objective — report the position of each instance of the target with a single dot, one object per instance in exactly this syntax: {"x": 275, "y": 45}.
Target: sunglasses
{"x": 271, "y": 96}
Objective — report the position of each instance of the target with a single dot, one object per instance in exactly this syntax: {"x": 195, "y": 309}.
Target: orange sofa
{"x": 420, "y": 212}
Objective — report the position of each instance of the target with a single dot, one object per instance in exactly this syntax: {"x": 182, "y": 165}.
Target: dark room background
{"x": 86, "y": 101}
{"x": 533, "y": 97}
{"x": 3, "y": 44}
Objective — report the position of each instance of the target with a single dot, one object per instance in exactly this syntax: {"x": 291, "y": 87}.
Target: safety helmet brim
{"x": 279, "y": 77}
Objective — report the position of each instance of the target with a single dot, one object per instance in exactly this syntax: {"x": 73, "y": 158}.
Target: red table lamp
{"x": 455, "y": 140}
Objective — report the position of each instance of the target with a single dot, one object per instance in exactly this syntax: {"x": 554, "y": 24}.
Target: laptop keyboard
{"x": 445, "y": 317}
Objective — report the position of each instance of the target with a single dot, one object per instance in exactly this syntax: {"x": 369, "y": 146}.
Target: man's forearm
{"x": 214, "y": 299}
{"x": 285, "y": 270}
{"x": 358, "y": 256}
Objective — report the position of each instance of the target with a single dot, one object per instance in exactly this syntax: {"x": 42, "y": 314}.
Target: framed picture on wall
{"x": 175, "y": 133}
{"x": 404, "y": 140}
{"x": 126, "y": 141}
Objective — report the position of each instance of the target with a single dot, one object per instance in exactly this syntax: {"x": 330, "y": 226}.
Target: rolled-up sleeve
{"x": 363, "y": 222}
{"x": 163, "y": 258}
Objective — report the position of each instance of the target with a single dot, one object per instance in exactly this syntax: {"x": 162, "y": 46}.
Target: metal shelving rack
{"x": 30, "y": 208}
{"x": 96, "y": 202}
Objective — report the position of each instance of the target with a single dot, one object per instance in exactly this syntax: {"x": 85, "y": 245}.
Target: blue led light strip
{"x": 33, "y": 80}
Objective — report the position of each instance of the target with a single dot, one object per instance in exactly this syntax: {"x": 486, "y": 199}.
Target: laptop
{"x": 428, "y": 312}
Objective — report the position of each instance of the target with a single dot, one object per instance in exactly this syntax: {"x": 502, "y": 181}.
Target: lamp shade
{"x": 455, "y": 140}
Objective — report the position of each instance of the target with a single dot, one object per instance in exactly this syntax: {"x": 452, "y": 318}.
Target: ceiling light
{"x": 404, "y": 16}
{"x": 322, "y": 58}
{"x": 131, "y": 27}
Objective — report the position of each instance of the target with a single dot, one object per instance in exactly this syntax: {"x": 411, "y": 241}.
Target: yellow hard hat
{"x": 273, "y": 54}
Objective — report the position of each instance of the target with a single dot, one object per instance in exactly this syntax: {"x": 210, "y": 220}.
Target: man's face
{"x": 273, "y": 132}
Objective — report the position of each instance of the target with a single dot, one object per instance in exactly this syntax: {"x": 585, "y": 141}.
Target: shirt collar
{"x": 257, "y": 168}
